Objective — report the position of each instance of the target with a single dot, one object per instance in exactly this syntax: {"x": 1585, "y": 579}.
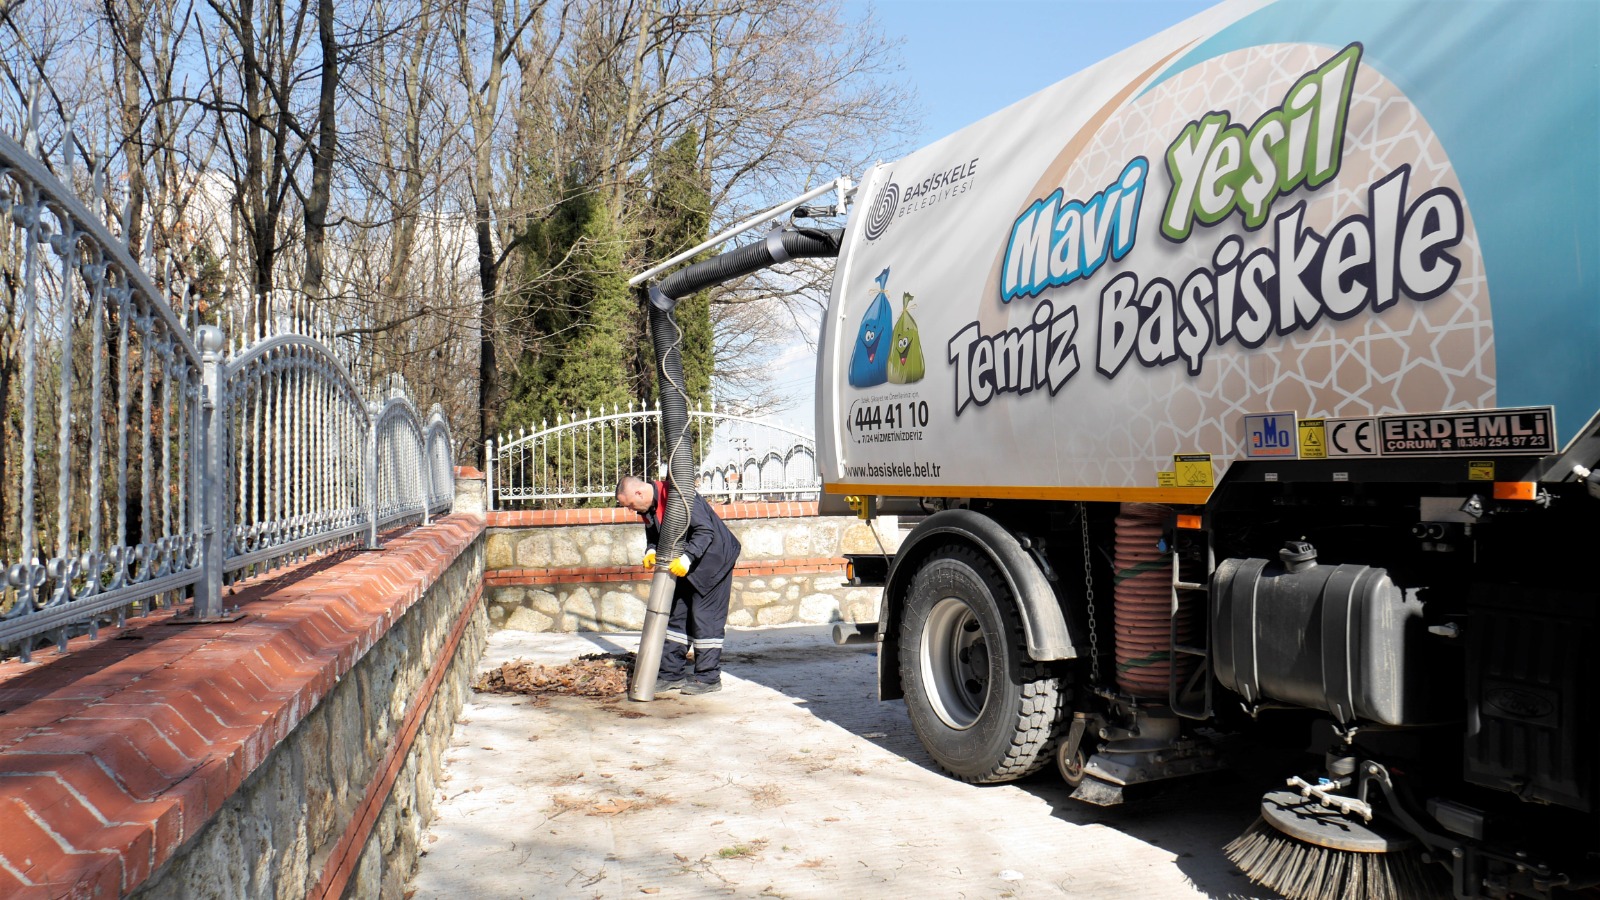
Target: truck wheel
{"x": 982, "y": 708}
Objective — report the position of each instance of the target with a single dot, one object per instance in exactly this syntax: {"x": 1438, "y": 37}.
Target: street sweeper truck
{"x": 1249, "y": 381}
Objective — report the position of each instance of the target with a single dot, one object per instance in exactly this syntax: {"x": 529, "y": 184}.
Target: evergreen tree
{"x": 585, "y": 333}
{"x": 580, "y": 313}
{"x": 587, "y": 338}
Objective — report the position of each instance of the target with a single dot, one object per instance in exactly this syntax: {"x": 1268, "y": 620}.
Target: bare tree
{"x": 326, "y": 124}
{"x": 483, "y": 77}
{"x": 388, "y": 162}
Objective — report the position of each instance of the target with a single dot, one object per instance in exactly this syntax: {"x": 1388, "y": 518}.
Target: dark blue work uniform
{"x": 700, "y": 603}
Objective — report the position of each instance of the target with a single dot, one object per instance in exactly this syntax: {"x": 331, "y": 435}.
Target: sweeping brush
{"x": 1302, "y": 871}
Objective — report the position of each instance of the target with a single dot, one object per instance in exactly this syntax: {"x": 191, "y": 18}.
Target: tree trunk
{"x": 482, "y": 104}
{"x": 316, "y": 205}
{"x": 488, "y": 371}
{"x": 133, "y": 22}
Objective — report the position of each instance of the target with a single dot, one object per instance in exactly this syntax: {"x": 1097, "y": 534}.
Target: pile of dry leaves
{"x": 593, "y": 675}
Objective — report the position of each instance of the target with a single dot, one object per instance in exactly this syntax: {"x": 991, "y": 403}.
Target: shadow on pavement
{"x": 1190, "y": 818}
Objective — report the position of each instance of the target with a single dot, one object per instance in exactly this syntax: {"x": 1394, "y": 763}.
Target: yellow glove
{"x": 680, "y": 566}
{"x": 649, "y": 559}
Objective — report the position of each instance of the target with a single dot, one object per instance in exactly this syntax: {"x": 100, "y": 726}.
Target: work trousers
{"x": 699, "y": 620}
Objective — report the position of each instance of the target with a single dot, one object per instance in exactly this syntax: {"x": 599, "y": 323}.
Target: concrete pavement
{"x": 793, "y": 781}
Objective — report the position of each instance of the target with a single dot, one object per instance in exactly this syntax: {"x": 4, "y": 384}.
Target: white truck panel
{"x": 1267, "y": 208}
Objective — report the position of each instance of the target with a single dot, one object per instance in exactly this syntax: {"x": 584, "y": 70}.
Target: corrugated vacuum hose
{"x": 1142, "y": 614}
{"x": 667, "y": 339}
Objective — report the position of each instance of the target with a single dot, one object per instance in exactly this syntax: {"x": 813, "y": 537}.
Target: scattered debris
{"x": 564, "y": 803}
{"x": 766, "y": 796}
{"x": 743, "y": 851}
{"x": 592, "y": 675}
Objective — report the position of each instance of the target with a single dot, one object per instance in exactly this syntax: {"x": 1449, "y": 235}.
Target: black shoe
{"x": 701, "y": 687}
{"x": 665, "y": 684}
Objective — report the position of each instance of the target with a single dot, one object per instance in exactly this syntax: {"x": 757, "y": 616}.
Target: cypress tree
{"x": 580, "y": 315}
{"x": 585, "y": 332}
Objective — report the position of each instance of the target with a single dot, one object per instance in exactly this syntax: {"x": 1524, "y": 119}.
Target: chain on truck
{"x": 1247, "y": 386}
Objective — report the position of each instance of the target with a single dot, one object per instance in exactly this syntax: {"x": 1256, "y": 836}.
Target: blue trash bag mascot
{"x": 869, "y": 363}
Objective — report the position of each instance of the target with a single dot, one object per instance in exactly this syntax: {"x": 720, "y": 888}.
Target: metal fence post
{"x": 211, "y": 487}
{"x": 425, "y": 476}
{"x": 488, "y": 475}
{"x": 374, "y": 410}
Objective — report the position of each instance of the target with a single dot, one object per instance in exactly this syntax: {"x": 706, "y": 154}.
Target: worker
{"x": 705, "y": 583}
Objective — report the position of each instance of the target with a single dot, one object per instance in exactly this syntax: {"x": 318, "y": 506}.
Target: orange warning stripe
{"x": 1195, "y": 496}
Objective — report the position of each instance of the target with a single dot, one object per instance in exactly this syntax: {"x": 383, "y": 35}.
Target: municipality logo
{"x": 882, "y": 211}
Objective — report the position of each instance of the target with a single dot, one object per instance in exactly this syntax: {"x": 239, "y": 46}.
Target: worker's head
{"x": 635, "y": 493}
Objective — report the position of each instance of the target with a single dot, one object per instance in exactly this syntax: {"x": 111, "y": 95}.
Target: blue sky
{"x": 968, "y": 58}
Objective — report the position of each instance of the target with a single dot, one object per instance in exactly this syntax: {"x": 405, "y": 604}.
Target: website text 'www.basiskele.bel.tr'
{"x": 895, "y": 470}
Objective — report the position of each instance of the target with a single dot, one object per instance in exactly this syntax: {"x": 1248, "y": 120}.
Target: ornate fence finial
{"x": 68, "y": 144}
{"x": 32, "y": 140}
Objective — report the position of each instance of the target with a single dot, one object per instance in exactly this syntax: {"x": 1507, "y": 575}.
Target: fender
{"x": 1043, "y": 624}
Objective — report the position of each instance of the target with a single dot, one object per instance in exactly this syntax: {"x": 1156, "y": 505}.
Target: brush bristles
{"x": 1302, "y": 871}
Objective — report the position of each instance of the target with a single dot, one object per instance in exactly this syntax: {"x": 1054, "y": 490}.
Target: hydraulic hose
{"x": 779, "y": 246}
{"x": 666, "y": 338}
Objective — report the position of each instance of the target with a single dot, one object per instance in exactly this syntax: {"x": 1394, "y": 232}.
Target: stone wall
{"x": 589, "y": 577}
{"x": 279, "y": 834}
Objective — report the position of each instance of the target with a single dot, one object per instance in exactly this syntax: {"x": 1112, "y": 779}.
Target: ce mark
{"x": 1352, "y": 437}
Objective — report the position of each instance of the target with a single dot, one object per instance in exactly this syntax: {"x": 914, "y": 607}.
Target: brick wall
{"x": 286, "y": 754}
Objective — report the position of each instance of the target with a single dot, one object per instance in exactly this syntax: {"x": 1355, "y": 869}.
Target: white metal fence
{"x": 146, "y": 456}
{"x": 579, "y": 459}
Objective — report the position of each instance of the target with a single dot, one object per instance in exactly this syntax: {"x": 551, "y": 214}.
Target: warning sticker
{"x": 1480, "y": 470}
{"x": 1529, "y": 430}
{"x": 1193, "y": 469}
{"x": 1167, "y": 479}
{"x": 1313, "y": 440}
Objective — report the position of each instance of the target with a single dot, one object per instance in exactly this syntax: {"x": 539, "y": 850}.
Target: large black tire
{"x": 982, "y": 708}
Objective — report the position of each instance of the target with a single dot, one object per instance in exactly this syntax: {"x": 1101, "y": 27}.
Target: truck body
{"x": 1250, "y": 380}
{"x": 1333, "y": 210}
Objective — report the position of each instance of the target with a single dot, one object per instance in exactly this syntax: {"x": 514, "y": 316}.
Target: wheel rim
{"x": 1071, "y": 769}
{"x": 955, "y": 663}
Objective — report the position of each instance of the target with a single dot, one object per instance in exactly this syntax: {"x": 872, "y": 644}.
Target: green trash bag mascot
{"x": 905, "y": 350}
